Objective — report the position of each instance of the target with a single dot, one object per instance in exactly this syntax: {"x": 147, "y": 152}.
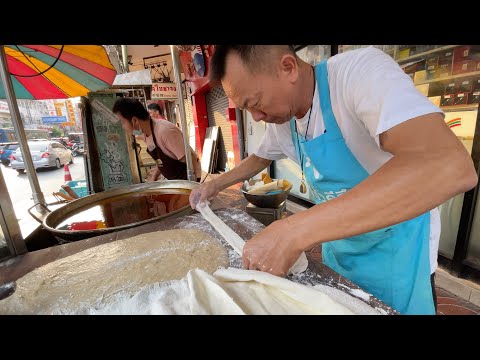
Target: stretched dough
{"x": 232, "y": 292}
{"x": 92, "y": 277}
{"x": 236, "y": 241}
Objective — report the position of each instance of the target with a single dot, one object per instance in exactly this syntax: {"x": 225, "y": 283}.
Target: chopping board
{"x": 241, "y": 222}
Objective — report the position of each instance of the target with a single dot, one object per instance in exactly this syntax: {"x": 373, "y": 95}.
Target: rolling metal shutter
{"x": 217, "y": 104}
{"x": 188, "y": 109}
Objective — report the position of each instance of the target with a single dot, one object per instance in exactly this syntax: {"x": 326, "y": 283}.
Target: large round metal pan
{"x": 55, "y": 218}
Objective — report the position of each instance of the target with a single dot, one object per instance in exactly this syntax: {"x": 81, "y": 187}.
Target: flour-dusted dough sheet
{"x": 233, "y": 291}
{"x": 92, "y": 277}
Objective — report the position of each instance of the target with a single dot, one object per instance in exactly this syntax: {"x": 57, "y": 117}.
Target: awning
{"x": 134, "y": 78}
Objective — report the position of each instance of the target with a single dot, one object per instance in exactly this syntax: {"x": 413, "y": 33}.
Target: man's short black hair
{"x": 129, "y": 108}
{"x": 155, "y": 106}
{"x": 251, "y": 55}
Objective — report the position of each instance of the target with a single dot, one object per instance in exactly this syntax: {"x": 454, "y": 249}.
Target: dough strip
{"x": 235, "y": 241}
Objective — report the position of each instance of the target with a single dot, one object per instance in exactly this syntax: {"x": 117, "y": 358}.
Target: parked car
{"x": 6, "y": 152}
{"x": 44, "y": 154}
{"x": 2, "y": 146}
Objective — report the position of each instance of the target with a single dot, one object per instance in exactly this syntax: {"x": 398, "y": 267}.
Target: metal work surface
{"x": 238, "y": 220}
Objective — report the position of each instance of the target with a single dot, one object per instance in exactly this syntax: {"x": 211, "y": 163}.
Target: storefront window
{"x": 313, "y": 54}
{"x": 387, "y": 49}
{"x": 449, "y": 75}
{"x": 473, "y": 250}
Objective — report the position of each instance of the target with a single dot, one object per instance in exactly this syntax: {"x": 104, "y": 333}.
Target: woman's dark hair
{"x": 155, "y": 106}
{"x": 129, "y": 108}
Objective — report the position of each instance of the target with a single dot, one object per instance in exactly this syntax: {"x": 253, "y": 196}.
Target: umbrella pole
{"x": 183, "y": 119}
{"x": 9, "y": 223}
{"x": 38, "y": 197}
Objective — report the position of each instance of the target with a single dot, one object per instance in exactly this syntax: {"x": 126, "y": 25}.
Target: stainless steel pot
{"x": 58, "y": 216}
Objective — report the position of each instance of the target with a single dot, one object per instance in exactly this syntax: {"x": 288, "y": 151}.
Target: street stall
{"x": 130, "y": 247}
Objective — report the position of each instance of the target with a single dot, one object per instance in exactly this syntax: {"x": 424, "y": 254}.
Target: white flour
{"x": 167, "y": 298}
{"x": 355, "y": 305}
{"x": 190, "y": 294}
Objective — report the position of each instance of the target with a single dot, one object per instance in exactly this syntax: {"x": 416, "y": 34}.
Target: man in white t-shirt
{"x": 377, "y": 157}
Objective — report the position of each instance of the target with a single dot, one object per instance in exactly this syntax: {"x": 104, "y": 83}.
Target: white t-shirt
{"x": 370, "y": 94}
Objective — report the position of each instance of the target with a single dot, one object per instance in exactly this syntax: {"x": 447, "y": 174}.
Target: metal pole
{"x": 9, "y": 223}
{"x": 183, "y": 119}
{"x": 241, "y": 132}
{"x": 38, "y": 197}
{"x": 125, "y": 58}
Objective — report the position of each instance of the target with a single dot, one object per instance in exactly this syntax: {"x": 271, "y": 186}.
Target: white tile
{"x": 452, "y": 284}
{"x": 475, "y": 297}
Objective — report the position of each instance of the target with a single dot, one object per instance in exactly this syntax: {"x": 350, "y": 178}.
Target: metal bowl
{"x": 272, "y": 201}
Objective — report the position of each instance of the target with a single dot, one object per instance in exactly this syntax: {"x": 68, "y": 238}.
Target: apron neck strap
{"x": 331, "y": 125}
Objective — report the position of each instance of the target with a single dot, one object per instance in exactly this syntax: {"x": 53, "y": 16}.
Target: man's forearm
{"x": 405, "y": 187}
{"x": 249, "y": 167}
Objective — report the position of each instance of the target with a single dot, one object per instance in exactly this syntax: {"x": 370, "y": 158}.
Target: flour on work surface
{"x": 355, "y": 305}
{"x": 357, "y": 292}
{"x": 92, "y": 278}
{"x": 233, "y": 291}
{"x": 199, "y": 223}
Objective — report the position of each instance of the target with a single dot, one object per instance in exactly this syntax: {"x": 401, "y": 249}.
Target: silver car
{"x": 45, "y": 153}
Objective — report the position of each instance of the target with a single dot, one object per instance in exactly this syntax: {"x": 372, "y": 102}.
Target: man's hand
{"x": 153, "y": 174}
{"x": 273, "y": 250}
{"x": 246, "y": 169}
{"x": 205, "y": 191}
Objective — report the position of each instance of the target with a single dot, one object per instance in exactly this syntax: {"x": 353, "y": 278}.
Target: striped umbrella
{"x": 42, "y": 72}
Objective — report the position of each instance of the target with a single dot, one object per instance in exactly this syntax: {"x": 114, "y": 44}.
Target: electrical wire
{"x": 41, "y": 72}
{"x": 205, "y": 178}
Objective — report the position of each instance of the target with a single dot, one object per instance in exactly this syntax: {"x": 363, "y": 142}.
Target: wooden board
{"x": 210, "y": 149}
{"x": 207, "y": 155}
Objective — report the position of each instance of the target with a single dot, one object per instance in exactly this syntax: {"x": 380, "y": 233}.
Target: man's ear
{"x": 289, "y": 67}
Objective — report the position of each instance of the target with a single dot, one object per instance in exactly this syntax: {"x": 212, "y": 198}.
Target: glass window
{"x": 449, "y": 75}
{"x": 37, "y": 146}
{"x": 313, "y": 54}
{"x": 11, "y": 147}
{"x": 388, "y": 49}
{"x": 473, "y": 250}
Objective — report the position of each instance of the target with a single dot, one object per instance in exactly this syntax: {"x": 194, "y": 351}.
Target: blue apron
{"x": 392, "y": 263}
